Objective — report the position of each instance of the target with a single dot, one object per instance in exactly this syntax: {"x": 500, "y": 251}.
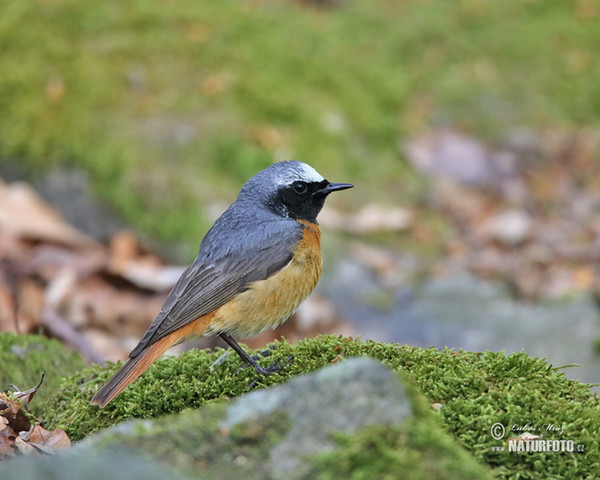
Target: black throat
{"x": 299, "y": 201}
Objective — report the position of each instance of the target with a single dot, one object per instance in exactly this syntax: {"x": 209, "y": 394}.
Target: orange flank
{"x": 268, "y": 303}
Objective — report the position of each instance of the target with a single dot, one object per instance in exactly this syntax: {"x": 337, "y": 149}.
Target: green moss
{"x": 475, "y": 389}
{"x": 23, "y": 358}
{"x": 420, "y": 449}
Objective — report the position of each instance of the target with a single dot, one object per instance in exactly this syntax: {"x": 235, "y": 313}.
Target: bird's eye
{"x": 299, "y": 187}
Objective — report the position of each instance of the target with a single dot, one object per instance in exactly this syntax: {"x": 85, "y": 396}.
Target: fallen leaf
{"x": 17, "y": 433}
{"x": 49, "y": 442}
{"x": 12, "y": 411}
{"x": 153, "y": 277}
{"x": 7, "y": 439}
{"x": 24, "y": 214}
{"x": 124, "y": 248}
{"x": 24, "y": 448}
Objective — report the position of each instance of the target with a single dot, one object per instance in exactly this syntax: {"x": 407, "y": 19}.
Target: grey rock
{"x": 450, "y": 154}
{"x": 89, "y": 465}
{"x": 444, "y": 153}
{"x": 341, "y": 398}
{"x": 461, "y": 311}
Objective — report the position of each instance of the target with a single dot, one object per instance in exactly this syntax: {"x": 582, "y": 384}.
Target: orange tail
{"x": 135, "y": 366}
{"x": 130, "y": 370}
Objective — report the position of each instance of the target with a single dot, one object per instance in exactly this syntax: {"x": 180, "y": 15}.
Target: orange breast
{"x": 268, "y": 303}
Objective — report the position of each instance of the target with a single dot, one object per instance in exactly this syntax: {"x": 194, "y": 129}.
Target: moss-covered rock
{"x": 476, "y": 391}
{"x": 342, "y": 398}
{"x": 379, "y": 425}
{"x": 23, "y": 359}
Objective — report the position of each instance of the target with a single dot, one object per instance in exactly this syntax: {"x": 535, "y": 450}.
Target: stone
{"x": 114, "y": 464}
{"x": 342, "y": 398}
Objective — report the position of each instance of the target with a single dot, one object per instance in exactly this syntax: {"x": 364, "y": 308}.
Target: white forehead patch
{"x": 309, "y": 174}
{"x": 298, "y": 171}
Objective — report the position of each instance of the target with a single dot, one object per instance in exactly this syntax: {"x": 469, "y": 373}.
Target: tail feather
{"x": 136, "y": 365}
{"x": 130, "y": 370}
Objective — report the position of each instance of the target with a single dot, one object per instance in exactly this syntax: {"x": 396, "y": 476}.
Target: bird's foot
{"x": 274, "y": 367}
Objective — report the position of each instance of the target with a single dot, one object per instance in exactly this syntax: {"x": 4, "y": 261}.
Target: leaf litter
{"x": 20, "y": 432}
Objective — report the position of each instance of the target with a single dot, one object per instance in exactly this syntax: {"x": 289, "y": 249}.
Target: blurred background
{"x": 470, "y": 129}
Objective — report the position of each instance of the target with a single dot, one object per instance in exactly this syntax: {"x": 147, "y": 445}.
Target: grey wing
{"x": 209, "y": 283}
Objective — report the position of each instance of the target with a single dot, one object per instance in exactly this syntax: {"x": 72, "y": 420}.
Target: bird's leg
{"x": 273, "y": 368}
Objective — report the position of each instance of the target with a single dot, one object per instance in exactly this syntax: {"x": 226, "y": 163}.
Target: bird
{"x": 255, "y": 266}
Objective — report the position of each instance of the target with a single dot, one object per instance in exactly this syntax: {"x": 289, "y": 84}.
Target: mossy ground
{"x": 23, "y": 359}
{"x": 476, "y": 390}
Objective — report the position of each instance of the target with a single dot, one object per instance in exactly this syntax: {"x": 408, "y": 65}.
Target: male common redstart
{"x": 255, "y": 266}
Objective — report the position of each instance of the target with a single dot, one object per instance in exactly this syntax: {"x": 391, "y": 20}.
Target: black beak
{"x": 333, "y": 187}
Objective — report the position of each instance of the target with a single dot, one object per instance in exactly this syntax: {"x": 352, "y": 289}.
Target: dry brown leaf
{"x": 24, "y": 214}
{"x": 152, "y": 277}
{"x": 8, "y": 320}
{"x": 144, "y": 271}
{"x": 22, "y": 447}
{"x": 49, "y": 442}
{"x": 48, "y": 260}
{"x": 7, "y": 439}
{"x": 124, "y": 249}
{"x": 30, "y": 302}
{"x": 13, "y": 412}
{"x": 97, "y": 303}
{"x": 19, "y": 436}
